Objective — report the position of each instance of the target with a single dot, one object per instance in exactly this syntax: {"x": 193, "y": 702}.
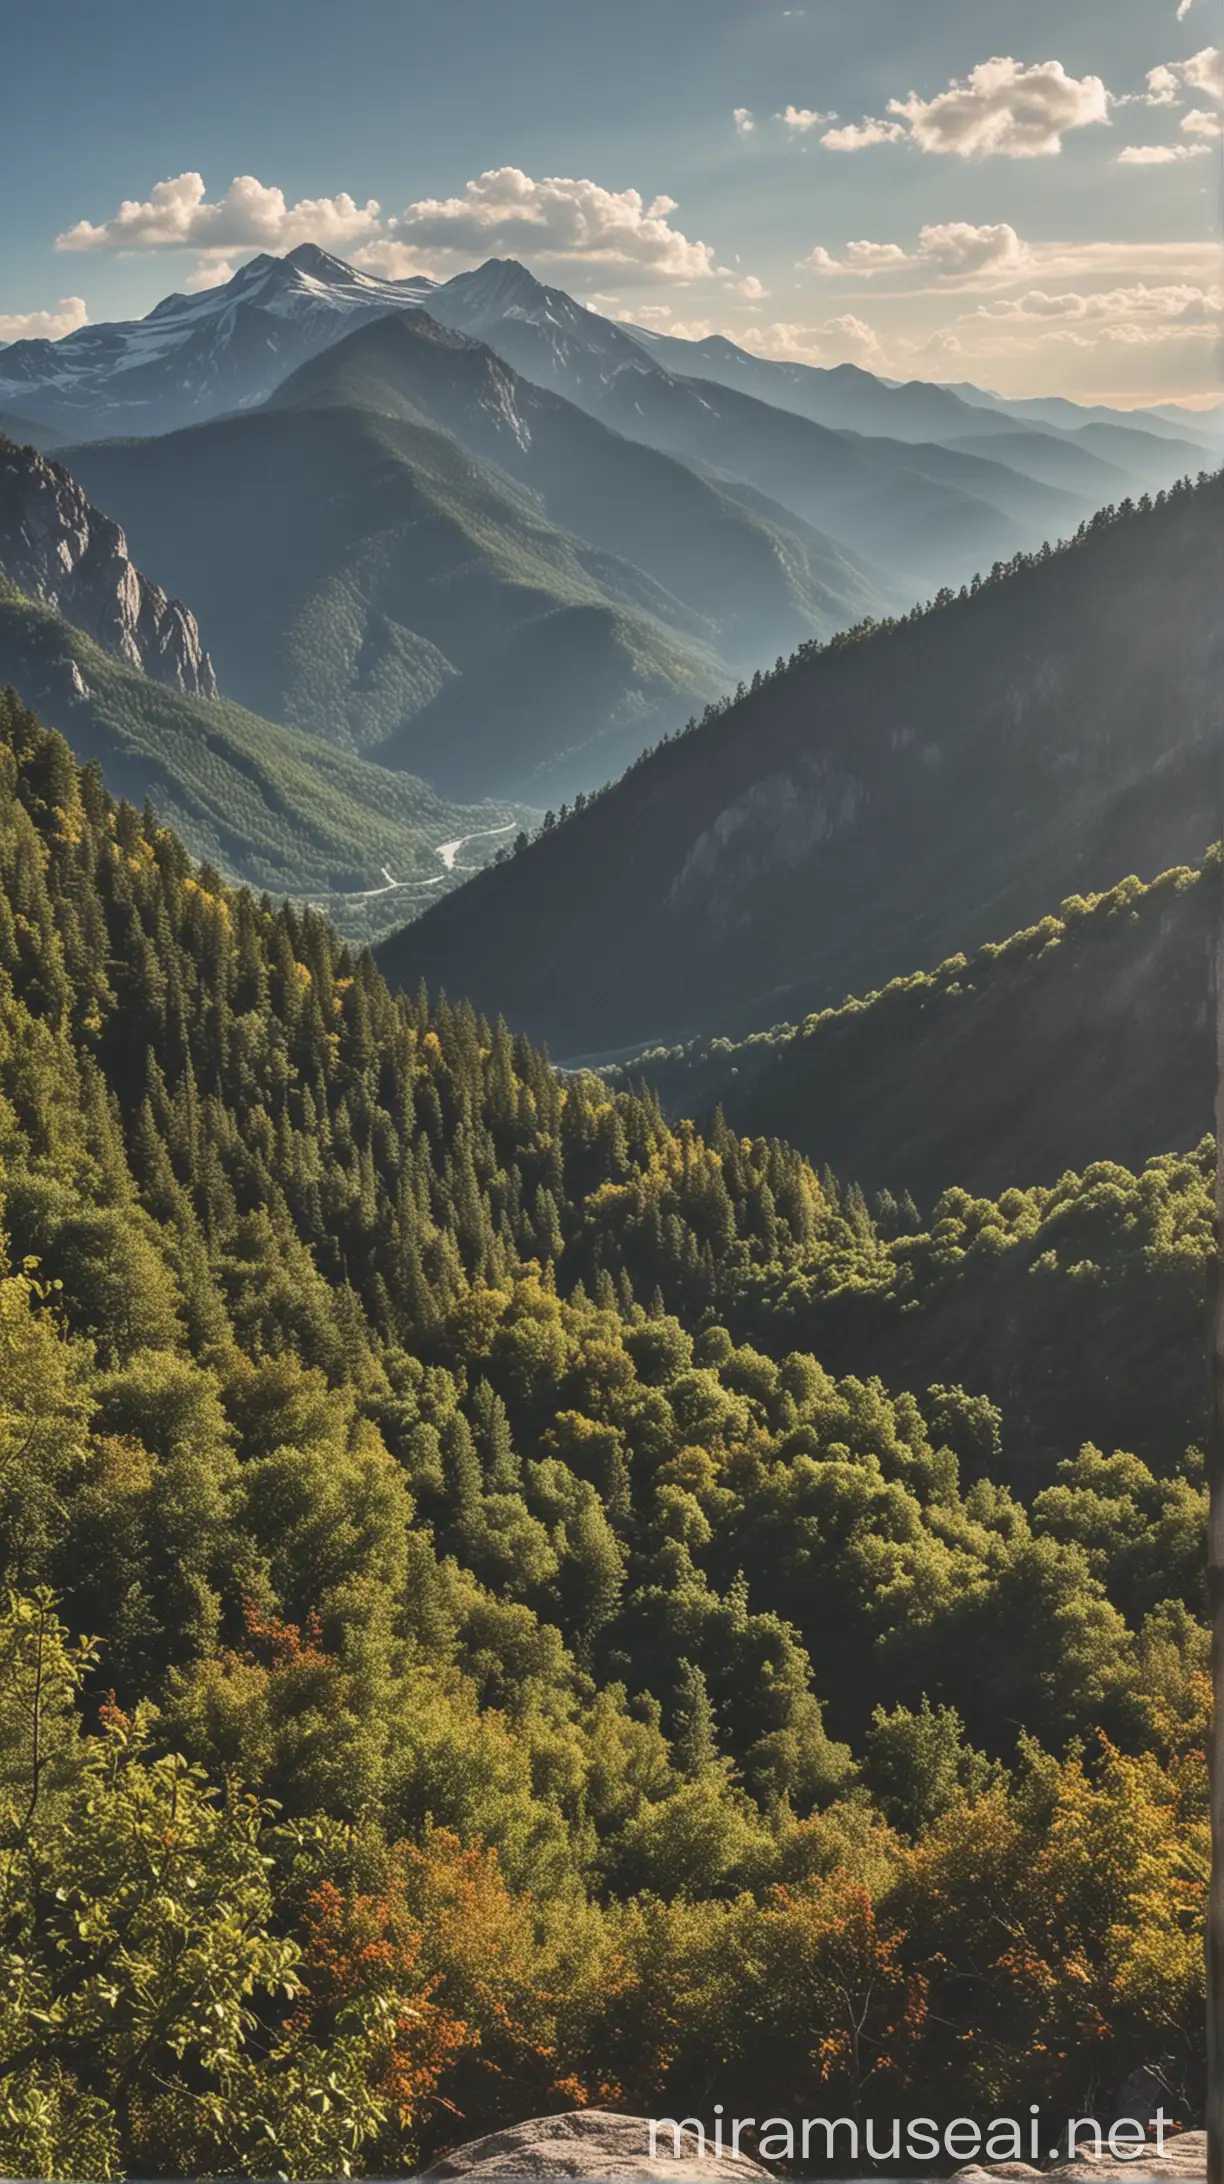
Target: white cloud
{"x": 749, "y": 287}
{"x": 1204, "y": 71}
{"x": 1001, "y": 107}
{"x": 395, "y": 261}
{"x": 847, "y": 339}
{"x": 559, "y": 220}
{"x": 955, "y": 254}
{"x": 1168, "y": 86}
{"x": 745, "y": 121}
{"x": 1159, "y": 155}
{"x": 1183, "y": 9}
{"x": 210, "y": 273}
{"x": 1179, "y": 305}
{"x": 570, "y": 224}
{"x": 952, "y": 250}
{"x": 250, "y": 216}
{"x": 69, "y": 313}
{"x": 802, "y": 119}
{"x": 859, "y": 136}
{"x": 958, "y": 250}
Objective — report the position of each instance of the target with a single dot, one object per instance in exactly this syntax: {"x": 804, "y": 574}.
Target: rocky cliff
{"x": 62, "y": 552}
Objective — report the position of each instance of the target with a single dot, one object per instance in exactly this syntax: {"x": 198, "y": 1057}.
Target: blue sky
{"x": 1005, "y": 190}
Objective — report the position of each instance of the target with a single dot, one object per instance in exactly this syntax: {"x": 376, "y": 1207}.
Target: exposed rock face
{"x": 64, "y": 553}
{"x": 590, "y": 2142}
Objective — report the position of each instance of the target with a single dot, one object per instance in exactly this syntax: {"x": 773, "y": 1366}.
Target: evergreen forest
{"x": 513, "y": 1601}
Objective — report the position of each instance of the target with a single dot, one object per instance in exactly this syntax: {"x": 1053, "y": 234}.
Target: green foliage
{"x": 473, "y": 1648}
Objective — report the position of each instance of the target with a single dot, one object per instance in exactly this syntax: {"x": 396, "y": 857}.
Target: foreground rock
{"x": 1185, "y": 2155}
{"x": 589, "y": 2142}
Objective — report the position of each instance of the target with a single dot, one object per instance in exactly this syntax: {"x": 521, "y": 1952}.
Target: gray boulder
{"x": 590, "y": 2142}
{"x": 1184, "y": 2156}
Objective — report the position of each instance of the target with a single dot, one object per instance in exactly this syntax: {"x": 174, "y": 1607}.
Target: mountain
{"x": 847, "y": 398}
{"x": 263, "y": 803}
{"x": 1154, "y": 458}
{"x": 23, "y": 430}
{"x": 65, "y": 555}
{"x": 925, "y": 514}
{"x": 1063, "y": 460}
{"x": 1089, "y": 1036}
{"x": 757, "y": 578}
{"x": 842, "y": 396}
{"x": 353, "y": 565}
{"x": 1202, "y": 424}
{"x": 1056, "y": 412}
{"x": 862, "y": 463}
{"x": 193, "y": 357}
{"x": 874, "y": 807}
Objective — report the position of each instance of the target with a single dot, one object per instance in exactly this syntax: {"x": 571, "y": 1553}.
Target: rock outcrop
{"x": 591, "y": 2142}
{"x": 61, "y": 551}
{"x": 1184, "y": 2157}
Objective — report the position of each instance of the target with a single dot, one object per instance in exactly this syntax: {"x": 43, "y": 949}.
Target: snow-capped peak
{"x": 196, "y": 356}
{"x": 497, "y": 286}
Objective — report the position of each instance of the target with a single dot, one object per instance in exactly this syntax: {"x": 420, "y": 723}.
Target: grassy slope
{"x": 266, "y": 803}
{"x": 872, "y": 808}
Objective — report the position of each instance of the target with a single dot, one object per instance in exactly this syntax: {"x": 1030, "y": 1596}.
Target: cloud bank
{"x": 177, "y": 216}
{"x": 1000, "y": 109}
{"x": 68, "y": 315}
{"x": 567, "y": 222}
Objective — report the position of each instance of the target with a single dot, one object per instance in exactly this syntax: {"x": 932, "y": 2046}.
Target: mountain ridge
{"x": 758, "y": 581}
{"x": 953, "y": 773}
{"x": 1087, "y": 1036}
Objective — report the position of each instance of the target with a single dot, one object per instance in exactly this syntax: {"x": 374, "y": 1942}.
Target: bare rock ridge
{"x": 590, "y": 2142}
{"x": 62, "y": 552}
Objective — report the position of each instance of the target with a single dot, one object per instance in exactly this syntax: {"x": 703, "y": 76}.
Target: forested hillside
{"x": 472, "y": 1649}
{"x": 873, "y": 806}
{"x": 270, "y": 805}
{"x": 1089, "y": 1035}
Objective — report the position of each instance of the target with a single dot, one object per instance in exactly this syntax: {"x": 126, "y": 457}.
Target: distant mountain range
{"x": 482, "y": 534}
{"x": 197, "y": 356}
{"x": 926, "y": 513}
{"x": 412, "y": 550}
{"x": 873, "y": 808}
{"x": 907, "y": 475}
